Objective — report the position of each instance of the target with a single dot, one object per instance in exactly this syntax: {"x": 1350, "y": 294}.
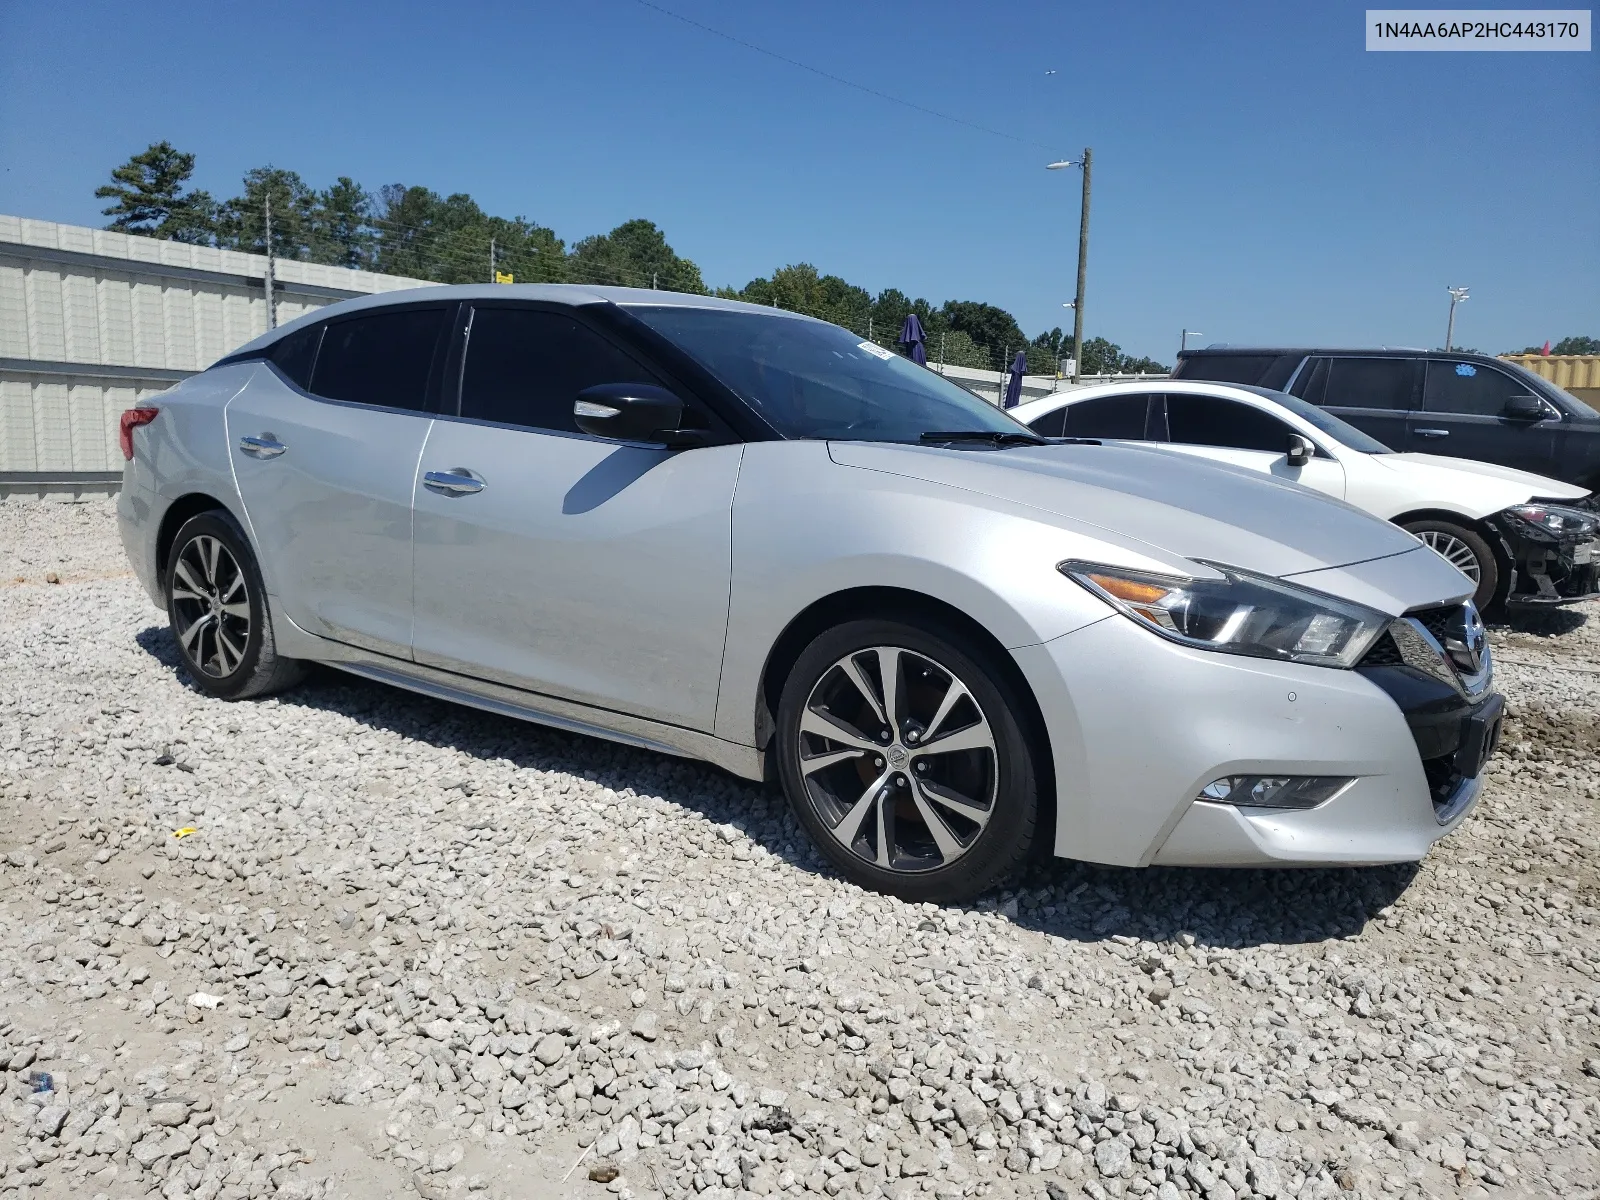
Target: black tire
{"x": 225, "y": 643}
{"x": 998, "y": 781}
{"x": 1465, "y": 540}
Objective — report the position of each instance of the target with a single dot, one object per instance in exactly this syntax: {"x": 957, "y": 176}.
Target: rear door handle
{"x": 456, "y": 482}
{"x": 1433, "y": 433}
{"x": 265, "y": 446}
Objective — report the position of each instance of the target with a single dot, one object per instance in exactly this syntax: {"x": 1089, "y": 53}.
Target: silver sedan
{"x": 749, "y": 537}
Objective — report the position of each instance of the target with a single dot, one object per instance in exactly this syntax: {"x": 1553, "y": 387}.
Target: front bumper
{"x": 1548, "y": 570}
{"x": 1139, "y": 725}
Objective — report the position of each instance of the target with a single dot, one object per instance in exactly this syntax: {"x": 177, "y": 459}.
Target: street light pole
{"x": 1087, "y": 163}
{"x": 1183, "y": 340}
{"x": 1083, "y": 266}
{"x": 272, "y": 307}
{"x": 1457, "y": 295}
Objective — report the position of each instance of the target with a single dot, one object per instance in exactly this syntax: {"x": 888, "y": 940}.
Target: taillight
{"x": 131, "y": 419}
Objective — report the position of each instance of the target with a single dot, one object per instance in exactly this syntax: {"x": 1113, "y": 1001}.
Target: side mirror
{"x": 1525, "y": 408}
{"x": 1300, "y": 450}
{"x": 633, "y": 412}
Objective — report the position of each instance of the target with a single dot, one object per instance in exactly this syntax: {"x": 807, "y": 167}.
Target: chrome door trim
{"x": 1432, "y": 433}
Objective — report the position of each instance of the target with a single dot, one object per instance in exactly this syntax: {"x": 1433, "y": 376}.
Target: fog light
{"x": 1274, "y": 791}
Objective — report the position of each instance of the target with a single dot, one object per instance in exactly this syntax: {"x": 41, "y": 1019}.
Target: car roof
{"x": 575, "y": 294}
{"x": 1055, "y": 400}
{"x": 1376, "y": 351}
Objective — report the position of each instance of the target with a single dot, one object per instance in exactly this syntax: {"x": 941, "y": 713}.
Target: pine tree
{"x": 150, "y": 200}
{"x": 341, "y": 233}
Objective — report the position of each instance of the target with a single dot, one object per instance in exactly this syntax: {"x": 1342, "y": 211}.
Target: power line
{"x": 849, "y": 83}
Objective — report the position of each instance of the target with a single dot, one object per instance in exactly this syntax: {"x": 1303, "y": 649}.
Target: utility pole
{"x": 869, "y": 330}
{"x": 655, "y": 279}
{"x": 272, "y": 308}
{"x": 494, "y": 273}
{"x": 1083, "y": 266}
{"x": 941, "y": 351}
{"x": 1457, "y": 295}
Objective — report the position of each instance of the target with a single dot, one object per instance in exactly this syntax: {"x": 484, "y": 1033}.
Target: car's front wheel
{"x": 217, "y": 606}
{"x": 902, "y": 750}
{"x": 1466, "y": 550}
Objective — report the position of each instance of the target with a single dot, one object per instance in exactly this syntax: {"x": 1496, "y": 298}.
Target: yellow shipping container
{"x": 1577, "y": 373}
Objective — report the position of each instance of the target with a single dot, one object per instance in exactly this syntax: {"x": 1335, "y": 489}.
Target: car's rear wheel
{"x": 218, "y": 610}
{"x": 1466, "y": 550}
{"x": 902, "y": 751}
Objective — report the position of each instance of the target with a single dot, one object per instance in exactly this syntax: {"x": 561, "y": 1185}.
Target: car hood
{"x": 1496, "y": 487}
{"x": 1189, "y": 508}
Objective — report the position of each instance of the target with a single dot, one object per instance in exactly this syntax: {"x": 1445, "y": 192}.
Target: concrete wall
{"x": 92, "y": 321}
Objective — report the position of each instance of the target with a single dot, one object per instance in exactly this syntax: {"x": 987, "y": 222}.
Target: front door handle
{"x": 1433, "y": 433}
{"x": 265, "y": 446}
{"x": 455, "y": 482}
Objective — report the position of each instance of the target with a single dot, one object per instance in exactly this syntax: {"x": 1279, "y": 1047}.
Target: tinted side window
{"x": 1051, "y": 424}
{"x": 294, "y": 354}
{"x": 1108, "y": 417}
{"x": 526, "y": 367}
{"x": 1213, "y": 421}
{"x": 380, "y": 359}
{"x": 1370, "y": 383}
{"x": 1226, "y": 368}
{"x": 1463, "y": 387}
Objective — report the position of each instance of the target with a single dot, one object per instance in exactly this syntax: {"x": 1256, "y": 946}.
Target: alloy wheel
{"x": 211, "y": 606}
{"x": 1454, "y": 551}
{"x": 898, "y": 758}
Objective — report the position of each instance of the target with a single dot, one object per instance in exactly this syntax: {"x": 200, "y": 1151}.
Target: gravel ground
{"x": 410, "y": 948}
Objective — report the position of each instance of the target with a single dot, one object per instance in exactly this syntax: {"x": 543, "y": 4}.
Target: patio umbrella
{"x": 1019, "y": 368}
{"x": 911, "y": 336}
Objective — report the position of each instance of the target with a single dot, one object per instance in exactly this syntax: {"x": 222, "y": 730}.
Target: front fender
{"x": 805, "y": 528}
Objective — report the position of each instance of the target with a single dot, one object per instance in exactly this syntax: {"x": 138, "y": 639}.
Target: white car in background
{"x": 1526, "y": 541}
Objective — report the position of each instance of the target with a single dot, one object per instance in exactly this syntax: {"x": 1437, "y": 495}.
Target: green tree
{"x": 1102, "y": 357}
{"x": 993, "y": 328}
{"x": 634, "y": 254}
{"x": 1570, "y": 345}
{"x": 1576, "y": 345}
{"x": 149, "y": 196}
{"x": 242, "y": 222}
{"x": 341, "y": 234}
{"x": 800, "y": 288}
{"x": 959, "y": 350}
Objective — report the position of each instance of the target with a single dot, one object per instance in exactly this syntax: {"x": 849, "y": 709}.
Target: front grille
{"x": 1446, "y": 621}
{"x": 1382, "y": 653}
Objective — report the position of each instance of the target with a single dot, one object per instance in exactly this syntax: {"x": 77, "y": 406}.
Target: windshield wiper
{"x": 995, "y": 437}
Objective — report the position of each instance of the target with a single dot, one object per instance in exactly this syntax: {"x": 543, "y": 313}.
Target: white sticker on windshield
{"x": 877, "y": 351}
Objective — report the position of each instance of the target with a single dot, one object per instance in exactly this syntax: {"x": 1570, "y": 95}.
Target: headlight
{"x": 1241, "y": 613}
{"x": 1554, "y": 519}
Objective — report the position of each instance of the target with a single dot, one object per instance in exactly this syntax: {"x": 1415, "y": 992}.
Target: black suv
{"x": 1463, "y": 405}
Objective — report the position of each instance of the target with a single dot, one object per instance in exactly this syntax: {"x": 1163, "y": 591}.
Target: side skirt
{"x": 570, "y": 715}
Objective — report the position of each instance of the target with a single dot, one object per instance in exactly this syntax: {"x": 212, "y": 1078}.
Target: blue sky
{"x": 1258, "y": 175}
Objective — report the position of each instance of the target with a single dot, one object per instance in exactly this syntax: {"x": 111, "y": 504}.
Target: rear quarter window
{"x": 295, "y": 355}
{"x": 381, "y": 358}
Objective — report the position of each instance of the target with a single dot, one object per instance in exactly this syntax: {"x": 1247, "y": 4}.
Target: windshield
{"x": 1331, "y": 425}
{"x": 811, "y": 380}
